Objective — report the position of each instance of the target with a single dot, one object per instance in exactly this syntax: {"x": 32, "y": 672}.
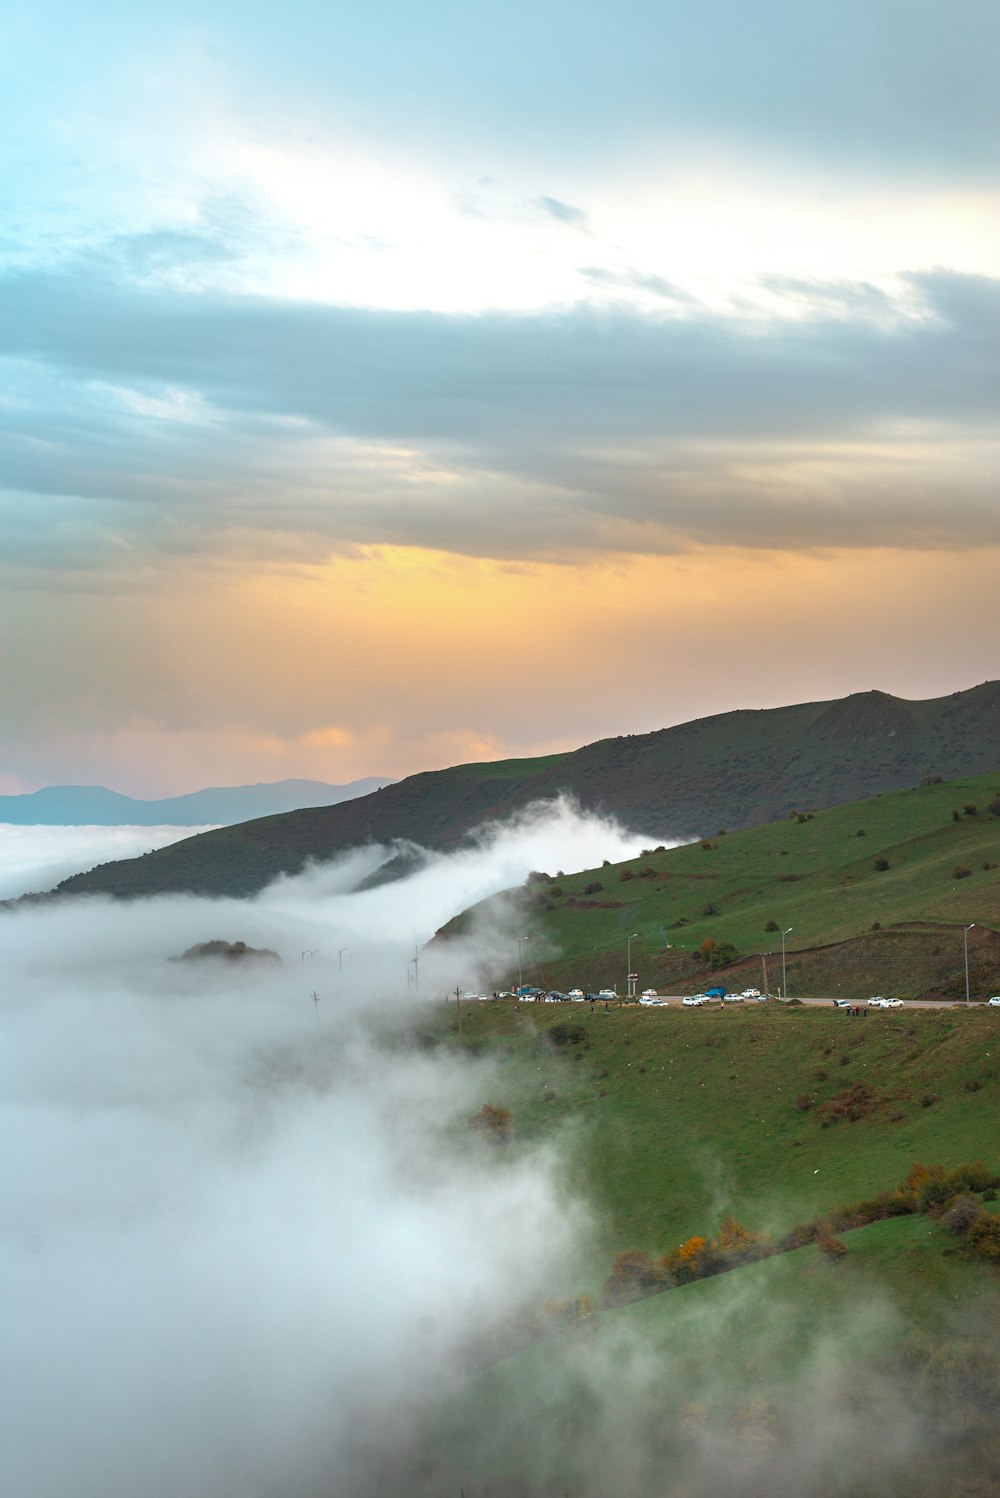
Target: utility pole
{"x": 784, "y": 980}
{"x": 630, "y": 977}
{"x": 315, "y": 998}
{"x": 965, "y": 944}
{"x": 763, "y": 958}
{"x": 458, "y": 1006}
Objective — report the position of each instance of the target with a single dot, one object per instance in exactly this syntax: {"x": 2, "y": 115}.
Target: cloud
{"x": 217, "y": 426}
{"x": 37, "y": 858}
{"x": 239, "y": 1230}
{"x": 563, "y": 213}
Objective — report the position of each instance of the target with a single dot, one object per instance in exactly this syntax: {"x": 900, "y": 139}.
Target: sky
{"x": 391, "y": 386}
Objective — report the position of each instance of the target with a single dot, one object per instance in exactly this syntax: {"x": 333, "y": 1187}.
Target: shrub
{"x": 960, "y": 871}
{"x": 565, "y": 1314}
{"x": 861, "y": 832}
{"x": 705, "y": 847}
{"x": 803, "y": 1102}
{"x": 625, "y": 874}
{"x": 881, "y": 864}
{"x": 994, "y": 807}
{"x": 771, "y": 926}
{"x": 956, "y": 815}
{"x": 710, "y": 909}
{"x": 493, "y": 1123}
{"x": 593, "y": 888}
{"x": 706, "y": 948}
{"x": 969, "y": 809}
{"x": 736, "y": 1241}
{"x": 722, "y": 954}
{"x": 633, "y": 1275}
{"x": 566, "y": 1033}
{"x": 984, "y": 1237}
{"x": 876, "y": 925}
{"x": 961, "y": 1215}
{"x": 828, "y": 1243}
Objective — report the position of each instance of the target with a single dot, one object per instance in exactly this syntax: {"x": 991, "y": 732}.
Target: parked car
{"x": 752, "y": 993}
{"x": 576, "y": 994}
{"x": 649, "y": 993}
{"x": 846, "y": 1003}
{"x": 994, "y": 1004}
{"x": 880, "y": 1003}
{"x": 607, "y": 993}
{"x": 694, "y": 1001}
{"x": 733, "y": 998}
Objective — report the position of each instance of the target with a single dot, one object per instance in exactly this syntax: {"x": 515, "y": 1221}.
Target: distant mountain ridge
{"x": 96, "y": 806}
{"x": 735, "y": 770}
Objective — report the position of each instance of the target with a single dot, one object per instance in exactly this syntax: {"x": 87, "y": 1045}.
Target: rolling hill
{"x": 873, "y": 897}
{"x": 670, "y": 1121}
{"x": 737, "y": 770}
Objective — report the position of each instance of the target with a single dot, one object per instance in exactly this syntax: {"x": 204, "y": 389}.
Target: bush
{"x": 710, "y": 909}
{"x": 493, "y": 1123}
{"x": 984, "y": 1237}
{"x": 633, "y": 1276}
{"x": 961, "y": 1215}
{"x": 594, "y": 888}
{"x": 861, "y": 832}
{"x": 960, "y": 871}
{"x": 803, "y": 1102}
{"x": 625, "y": 874}
{"x": 828, "y": 1243}
{"x": 771, "y": 926}
{"x": 881, "y": 864}
{"x": 969, "y": 809}
{"x": 566, "y": 1033}
{"x": 722, "y": 954}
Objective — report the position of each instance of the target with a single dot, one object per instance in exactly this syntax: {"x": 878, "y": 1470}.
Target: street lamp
{"x": 629, "y": 980}
{"x": 965, "y": 944}
{"x": 520, "y": 970}
{"x": 340, "y": 958}
{"x": 784, "y": 981}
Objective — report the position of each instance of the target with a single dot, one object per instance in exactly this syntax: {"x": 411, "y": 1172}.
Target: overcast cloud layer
{"x": 712, "y": 289}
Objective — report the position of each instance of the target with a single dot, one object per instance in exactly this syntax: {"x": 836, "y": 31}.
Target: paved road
{"x": 675, "y": 999}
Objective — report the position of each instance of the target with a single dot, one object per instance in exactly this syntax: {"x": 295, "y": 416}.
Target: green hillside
{"x": 736, "y": 770}
{"x": 670, "y": 1121}
{"x": 888, "y": 863}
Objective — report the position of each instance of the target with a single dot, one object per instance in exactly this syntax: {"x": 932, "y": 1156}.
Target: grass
{"x": 816, "y": 876}
{"x": 670, "y": 1120}
{"x": 679, "y": 1116}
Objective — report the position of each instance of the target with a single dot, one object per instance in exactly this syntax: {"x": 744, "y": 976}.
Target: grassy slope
{"x": 737, "y": 770}
{"x": 817, "y": 877}
{"x": 684, "y": 1115}
{"x": 673, "y": 1119}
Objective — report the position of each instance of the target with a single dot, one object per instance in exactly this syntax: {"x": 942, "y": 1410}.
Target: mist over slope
{"x": 36, "y": 857}
{"x": 239, "y": 1230}
{"x": 736, "y": 770}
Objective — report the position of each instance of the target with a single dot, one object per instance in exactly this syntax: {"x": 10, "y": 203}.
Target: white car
{"x": 734, "y": 998}
{"x": 751, "y": 993}
{"x": 653, "y": 1003}
{"x": 576, "y": 994}
{"x": 993, "y": 1004}
{"x": 880, "y": 1003}
{"x": 694, "y": 1001}
{"x": 607, "y": 993}
{"x": 649, "y": 993}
